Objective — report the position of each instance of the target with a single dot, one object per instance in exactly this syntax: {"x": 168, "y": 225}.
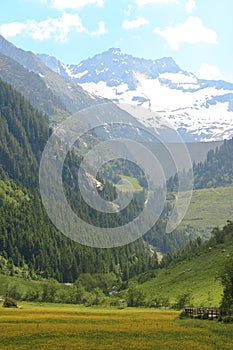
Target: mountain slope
{"x": 214, "y": 171}
{"x": 217, "y": 169}
{"x": 72, "y": 96}
{"x": 26, "y": 233}
{"x": 23, "y": 135}
{"x": 33, "y": 87}
{"x": 200, "y": 109}
{"x": 66, "y": 94}
{"x": 194, "y": 270}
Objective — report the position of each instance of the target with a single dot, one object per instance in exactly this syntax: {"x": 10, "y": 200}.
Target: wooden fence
{"x": 210, "y": 312}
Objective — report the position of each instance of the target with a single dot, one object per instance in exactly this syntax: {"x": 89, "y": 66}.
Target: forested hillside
{"x": 72, "y": 96}
{"x": 26, "y": 233}
{"x": 23, "y": 136}
{"x": 28, "y": 236}
{"x": 191, "y": 276}
{"x": 32, "y": 87}
{"x": 215, "y": 171}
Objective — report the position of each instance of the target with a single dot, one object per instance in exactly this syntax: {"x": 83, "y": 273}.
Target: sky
{"x": 197, "y": 34}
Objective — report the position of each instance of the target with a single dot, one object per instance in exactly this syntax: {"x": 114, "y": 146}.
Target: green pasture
{"x": 52, "y": 327}
{"x": 197, "y": 275}
{"x": 209, "y": 208}
{"x": 127, "y": 182}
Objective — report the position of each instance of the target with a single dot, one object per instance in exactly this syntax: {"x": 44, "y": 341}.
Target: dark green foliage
{"x": 217, "y": 170}
{"x": 183, "y": 300}
{"x": 205, "y": 316}
{"x": 146, "y": 276}
{"x": 48, "y": 292}
{"x": 226, "y": 277}
{"x": 168, "y": 242}
{"x": 226, "y": 319}
{"x": 23, "y": 135}
{"x": 117, "y": 167}
{"x": 14, "y": 291}
{"x": 26, "y": 233}
{"x": 105, "y": 281}
{"x": 32, "y": 238}
{"x": 195, "y": 247}
{"x": 9, "y": 302}
{"x": 135, "y": 296}
{"x": 158, "y": 301}
{"x": 183, "y": 315}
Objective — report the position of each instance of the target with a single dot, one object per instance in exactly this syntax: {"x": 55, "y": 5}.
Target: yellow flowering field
{"x": 80, "y": 328}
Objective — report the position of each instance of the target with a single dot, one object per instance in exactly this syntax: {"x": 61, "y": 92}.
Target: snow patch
{"x": 78, "y": 75}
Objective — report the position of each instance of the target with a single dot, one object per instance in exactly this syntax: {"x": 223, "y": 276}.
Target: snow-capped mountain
{"x": 200, "y": 110}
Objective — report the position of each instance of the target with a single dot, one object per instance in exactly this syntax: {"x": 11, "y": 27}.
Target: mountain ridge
{"x": 32, "y": 87}
{"x": 200, "y": 110}
{"x": 71, "y": 95}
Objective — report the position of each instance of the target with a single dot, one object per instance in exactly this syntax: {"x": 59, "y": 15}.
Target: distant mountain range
{"x": 69, "y": 95}
{"x": 56, "y": 95}
{"x": 199, "y": 109}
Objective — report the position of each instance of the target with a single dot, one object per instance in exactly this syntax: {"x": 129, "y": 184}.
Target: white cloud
{"x": 100, "y": 31}
{"x": 129, "y": 10}
{"x": 11, "y": 29}
{"x": 190, "y": 6}
{"x": 191, "y": 31}
{"x": 209, "y": 71}
{"x": 140, "y": 21}
{"x": 72, "y": 4}
{"x": 57, "y": 28}
{"x": 148, "y": 2}
{"x": 52, "y": 28}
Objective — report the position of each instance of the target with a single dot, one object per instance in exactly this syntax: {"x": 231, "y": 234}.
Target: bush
{"x": 146, "y": 276}
{"x": 9, "y": 302}
{"x": 227, "y": 319}
{"x": 182, "y": 300}
{"x": 135, "y": 296}
{"x": 205, "y": 316}
{"x": 14, "y": 290}
{"x": 183, "y": 314}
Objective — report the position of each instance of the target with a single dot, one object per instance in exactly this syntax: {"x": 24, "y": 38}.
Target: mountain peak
{"x": 201, "y": 109}
{"x": 53, "y": 63}
{"x": 115, "y": 68}
{"x": 115, "y": 51}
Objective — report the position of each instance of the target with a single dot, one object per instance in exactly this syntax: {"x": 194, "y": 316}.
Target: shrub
{"x": 9, "y": 302}
{"x": 182, "y": 300}
{"x": 227, "y": 319}
{"x": 183, "y": 314}
{"x": 205, "y": 316}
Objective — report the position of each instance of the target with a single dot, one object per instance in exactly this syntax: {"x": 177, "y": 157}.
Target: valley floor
{"x": 54, "y": 326}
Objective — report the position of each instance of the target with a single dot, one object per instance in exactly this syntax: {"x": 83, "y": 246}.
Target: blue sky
{"x": 197, "y": 34}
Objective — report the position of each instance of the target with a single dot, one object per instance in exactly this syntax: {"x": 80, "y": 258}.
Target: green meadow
{"x": 74, "y": 327}
{"x": 127, "y": 182}
{"x": 197, "y": 275}
{"x": 209, "y": 208}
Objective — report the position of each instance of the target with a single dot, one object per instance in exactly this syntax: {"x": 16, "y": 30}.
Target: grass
{"x": 22, "y": 284}
{"x": 52, "y": 327}
{"x": 210, "y": 208}
{"x": 197, "y": 275}
{"x": 127, "y": 182}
